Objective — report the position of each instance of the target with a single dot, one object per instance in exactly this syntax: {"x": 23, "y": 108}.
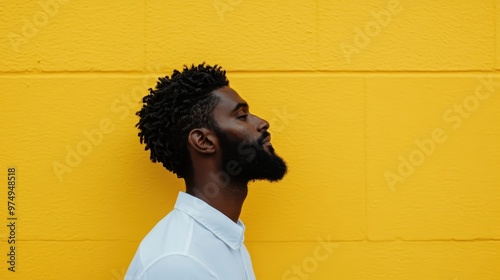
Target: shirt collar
{"x": 219, "y": 224}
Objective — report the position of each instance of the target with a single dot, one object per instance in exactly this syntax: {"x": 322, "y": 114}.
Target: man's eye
{"x": 243, "y": 117}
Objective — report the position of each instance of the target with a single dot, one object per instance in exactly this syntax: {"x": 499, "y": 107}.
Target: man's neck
{"x": 227, "y": 198}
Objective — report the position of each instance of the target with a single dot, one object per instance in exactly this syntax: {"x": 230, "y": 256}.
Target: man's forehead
{"x": 228, "y": 98}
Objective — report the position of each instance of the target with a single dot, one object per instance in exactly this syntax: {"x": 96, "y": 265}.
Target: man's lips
{"x": 266, "y": 140}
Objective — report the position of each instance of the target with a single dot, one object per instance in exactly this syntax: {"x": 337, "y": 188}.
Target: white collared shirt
{"x": 194, "y": 241}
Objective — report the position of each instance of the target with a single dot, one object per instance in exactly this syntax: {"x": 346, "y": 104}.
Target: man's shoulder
{"x": 175, "y": 266}
{"x": 170, "y": 235}
{"x": 178, "y": 266}
{"x": 165, "y": 250}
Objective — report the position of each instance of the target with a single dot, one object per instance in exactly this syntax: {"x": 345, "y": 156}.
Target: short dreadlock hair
{"x": 176, "y": 106}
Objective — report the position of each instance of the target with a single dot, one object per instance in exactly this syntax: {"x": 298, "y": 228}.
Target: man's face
{"x": 247, "y": 153}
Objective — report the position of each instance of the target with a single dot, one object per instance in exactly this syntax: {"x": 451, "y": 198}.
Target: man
{"x": 202, "y": 130}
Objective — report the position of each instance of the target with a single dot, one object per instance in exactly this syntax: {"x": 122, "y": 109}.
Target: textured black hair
{"x": 176, "y": 106}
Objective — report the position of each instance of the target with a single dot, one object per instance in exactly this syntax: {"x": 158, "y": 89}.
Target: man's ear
{"x": 202, "y": 140}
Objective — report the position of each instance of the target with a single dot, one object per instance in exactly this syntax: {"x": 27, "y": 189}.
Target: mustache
{"x": 264, "y": 135}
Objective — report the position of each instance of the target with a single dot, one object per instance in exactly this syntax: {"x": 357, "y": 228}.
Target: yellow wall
{"x": 387, "y": 111}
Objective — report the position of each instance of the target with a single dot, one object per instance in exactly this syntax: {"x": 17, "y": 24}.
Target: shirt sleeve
{"x": 177, "y": 267}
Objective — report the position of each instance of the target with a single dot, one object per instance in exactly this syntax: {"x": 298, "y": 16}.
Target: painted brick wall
{"x": 387, "y": 112}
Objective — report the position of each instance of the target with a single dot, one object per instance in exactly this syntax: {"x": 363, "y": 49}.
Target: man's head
{"x": 193, "y": 122}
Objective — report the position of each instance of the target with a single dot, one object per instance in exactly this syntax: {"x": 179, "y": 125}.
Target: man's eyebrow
{"x": 240, "y": 105}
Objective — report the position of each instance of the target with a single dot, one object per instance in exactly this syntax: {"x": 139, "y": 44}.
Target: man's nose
{"x": 262, "y": 124}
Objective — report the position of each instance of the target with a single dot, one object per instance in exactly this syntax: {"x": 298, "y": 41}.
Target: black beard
{"x": 250, "y": 161}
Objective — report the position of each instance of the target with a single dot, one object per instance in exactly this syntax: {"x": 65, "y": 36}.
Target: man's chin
{"x": 272, "y": 173}
{"x": 263, "y": 164}
{"x": 269, "y": 179}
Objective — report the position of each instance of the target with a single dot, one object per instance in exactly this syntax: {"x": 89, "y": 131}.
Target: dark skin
{"x": 233, "y": 117}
